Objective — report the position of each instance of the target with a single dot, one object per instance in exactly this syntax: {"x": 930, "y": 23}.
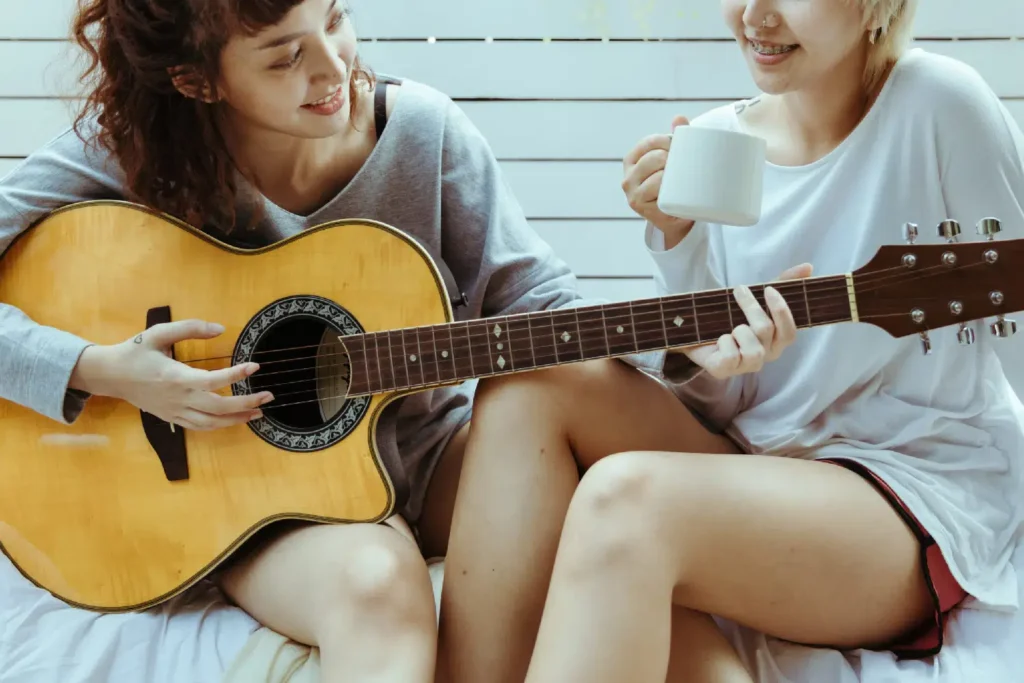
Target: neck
{"x": 825, "y": 114}
{"x": 269, "y": 158}
{"x": 424, "y": 357}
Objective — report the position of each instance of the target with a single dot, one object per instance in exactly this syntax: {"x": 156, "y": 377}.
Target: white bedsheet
{"x": 194, "y": 640}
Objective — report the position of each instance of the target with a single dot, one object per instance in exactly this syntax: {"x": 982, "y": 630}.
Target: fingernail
{"x": 267, "y": 399}
{"x": 215, "y": 328}
{"x": 257, "y": 414}
{"x": 251, "y": 368}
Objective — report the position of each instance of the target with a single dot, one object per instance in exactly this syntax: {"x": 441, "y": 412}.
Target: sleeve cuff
{"x": 49, "y": 393}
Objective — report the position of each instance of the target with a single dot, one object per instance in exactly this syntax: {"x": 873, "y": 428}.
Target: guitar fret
{"x": 554, "y": 337}
{"x": 579, "y": 332}
{"x": 403, "y": 378}
{"x": 448, "y": 354}
{"x": 619, "y": 327}
{"x": 366, "y": 366}
{"x": 604, "y": 326}
{"x": 648, "y": 326}
{"x": 480, "y": 343}
{"x": 428, "y": 361}
{"x": 566, "y": 330}
{"x": 807, "y": 303}
{"x": 520, "y": 345}
{"x": 632, "y": 328}
{"x": 387, "y": 375}
{"x": 696, "y": 318}
{"x": 542, "y": 340}
{"x": 592, "y": 332}
{"x": 680, "y": 323}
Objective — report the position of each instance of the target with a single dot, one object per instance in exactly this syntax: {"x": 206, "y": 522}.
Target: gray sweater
{"x": 432, "y": 175}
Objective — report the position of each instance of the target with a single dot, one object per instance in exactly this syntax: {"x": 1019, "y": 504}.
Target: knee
{"x": 384, "y": 582}
{"x": 549, "y": 385}
{"x": 611, "y": 521}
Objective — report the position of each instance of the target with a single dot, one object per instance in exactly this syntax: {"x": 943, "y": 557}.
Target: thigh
{"x": 601, "y": 407}
{"x": 301, "y": 579}
{"x": 801, "y": 550}
{"x": 435, "y": 522}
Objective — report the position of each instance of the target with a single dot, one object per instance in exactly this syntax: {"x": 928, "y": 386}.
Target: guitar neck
{"x": 426, "y": 357}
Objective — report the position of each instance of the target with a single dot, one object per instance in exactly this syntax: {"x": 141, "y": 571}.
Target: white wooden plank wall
{"x": 561, "y": 88}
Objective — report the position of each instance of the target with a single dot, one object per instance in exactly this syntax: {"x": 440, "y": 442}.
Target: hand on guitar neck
{"x": 142, "y": 371}
{"x": 760, "y": 340}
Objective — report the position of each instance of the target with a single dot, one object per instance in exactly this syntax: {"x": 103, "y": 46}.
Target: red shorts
{"x": 926, "y": 639}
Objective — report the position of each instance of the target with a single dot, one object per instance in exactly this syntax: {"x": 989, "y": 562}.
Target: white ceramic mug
{"x": 713, "y": 175}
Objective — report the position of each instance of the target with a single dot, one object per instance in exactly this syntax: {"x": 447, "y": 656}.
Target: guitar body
{"x": 91, "y": 512}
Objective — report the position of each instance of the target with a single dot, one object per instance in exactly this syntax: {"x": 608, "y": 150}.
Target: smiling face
{"x": 793, "y": 45}
{"x": 294, "y": 76}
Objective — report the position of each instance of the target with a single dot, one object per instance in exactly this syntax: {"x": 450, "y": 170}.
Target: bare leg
{"x": 360, "y": 593}
{"x": 529, "y": 433}
{"x": 800, "y": 550}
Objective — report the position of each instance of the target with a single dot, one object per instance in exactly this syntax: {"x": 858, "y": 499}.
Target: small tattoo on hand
{"x": 138, "y": 340}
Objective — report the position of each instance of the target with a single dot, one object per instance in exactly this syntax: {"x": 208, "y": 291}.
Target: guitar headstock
{"x": 913, "y": 288}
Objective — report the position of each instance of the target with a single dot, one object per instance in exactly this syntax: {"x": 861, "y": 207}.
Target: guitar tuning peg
{"x": 949, "y": 229}
{"x": 965, "y": 335}
{"x": 910, "y": 232}
{"x": 1003, "y": 327}
{"x": 989, "y": 227}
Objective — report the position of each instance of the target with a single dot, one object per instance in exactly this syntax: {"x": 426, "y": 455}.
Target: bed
{"x": 198, "y": 637}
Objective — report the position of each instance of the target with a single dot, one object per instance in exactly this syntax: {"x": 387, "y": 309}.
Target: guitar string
{"x": 823, "y": 288}
{"x": 585, "y": 326}
{"x": 658, "y": 334}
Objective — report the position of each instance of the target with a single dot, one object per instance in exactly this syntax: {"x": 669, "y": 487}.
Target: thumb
{"x": 804, "y": 270}
{"x": 166, "y": 334}
{"x": 680, "y": 121}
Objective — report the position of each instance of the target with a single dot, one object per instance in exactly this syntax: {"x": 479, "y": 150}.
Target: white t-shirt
{"x": 943, "y": 430}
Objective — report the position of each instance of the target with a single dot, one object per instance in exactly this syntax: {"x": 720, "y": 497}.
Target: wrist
{"x": 92, "y": 371}
{"x": 674, "y": 231}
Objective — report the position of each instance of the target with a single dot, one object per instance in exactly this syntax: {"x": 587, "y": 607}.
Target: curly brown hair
{"x": 168, "y": 145}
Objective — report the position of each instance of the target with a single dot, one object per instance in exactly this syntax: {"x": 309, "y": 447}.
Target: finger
{"x": 216, "y": 404}
{"x": 757, "y": 318}
{"x": 649, "y": 190}
{"x": 166, "y": 334}
{"x": 212, "y": 380}
{"x": 800, "y": 272}
{"x": 782, "y": 316}
{"x": 679, "y": 120}
{"x": 205, "y": 422}
{"x": 648, "y": 144}
{"x": 725, "y": 359}
{"x": 751, "y": 349}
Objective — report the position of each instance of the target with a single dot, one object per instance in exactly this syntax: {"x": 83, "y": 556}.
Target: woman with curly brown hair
{"x": 255, "y": 120}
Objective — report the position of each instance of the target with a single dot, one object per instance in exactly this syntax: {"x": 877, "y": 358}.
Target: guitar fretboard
{"x": 430, "y": 356}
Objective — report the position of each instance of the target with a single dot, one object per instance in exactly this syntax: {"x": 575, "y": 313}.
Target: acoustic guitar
{"x": 121, "y": 511}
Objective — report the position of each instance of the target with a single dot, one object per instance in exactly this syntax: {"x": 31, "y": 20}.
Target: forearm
{"x": 37, "y": 364}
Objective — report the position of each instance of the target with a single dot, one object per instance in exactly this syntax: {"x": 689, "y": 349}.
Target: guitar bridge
{"x": 168, "y": 442}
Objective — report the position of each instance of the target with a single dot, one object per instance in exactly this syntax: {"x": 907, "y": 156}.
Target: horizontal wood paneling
{"x": 564, "y": 19}
{"x": 474, "y": 70}
{"x": 515, "y": 130}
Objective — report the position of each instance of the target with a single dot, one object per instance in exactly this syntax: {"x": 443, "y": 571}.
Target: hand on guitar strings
{"x": 760, "y": 340}
{"x": 141, "y": 371}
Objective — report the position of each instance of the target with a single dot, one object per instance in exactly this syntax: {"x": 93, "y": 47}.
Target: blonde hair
{"x": 890, "y": 32}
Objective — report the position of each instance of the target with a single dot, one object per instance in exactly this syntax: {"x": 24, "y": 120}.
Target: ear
{"x": 191, "y": 84}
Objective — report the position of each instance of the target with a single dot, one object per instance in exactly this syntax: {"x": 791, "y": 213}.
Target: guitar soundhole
{"x": 305, "y": 365}
{"x": 307, "y": 370}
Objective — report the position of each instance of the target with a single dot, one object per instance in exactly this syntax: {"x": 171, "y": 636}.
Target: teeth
{"x": 324, "y": 100}
{"x": 772, "y": 49}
